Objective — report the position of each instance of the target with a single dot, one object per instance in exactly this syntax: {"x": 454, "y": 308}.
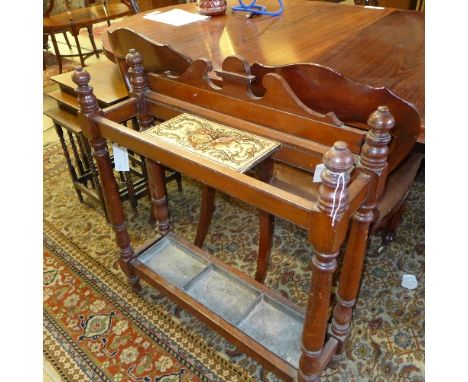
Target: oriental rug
{"x": 97, "y": 329}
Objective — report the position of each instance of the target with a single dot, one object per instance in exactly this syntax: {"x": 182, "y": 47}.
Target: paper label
{"x": 120, "y": 158}
{"x": 176, "y": 17}
{"x": 318, "y": 170}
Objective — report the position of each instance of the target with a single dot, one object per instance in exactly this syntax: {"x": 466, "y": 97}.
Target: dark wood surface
{"x": 106, "y": 80}
{"x": 278, "y": 113}
{"x": 379, "y": 47}
{"x": 82, "y": 17}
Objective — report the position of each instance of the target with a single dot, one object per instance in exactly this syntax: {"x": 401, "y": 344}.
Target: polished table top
{"x": 379, "y": 47}
{"x": 81, "y": 17}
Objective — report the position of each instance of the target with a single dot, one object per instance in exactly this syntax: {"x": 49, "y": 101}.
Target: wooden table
{"x": 379, "y": 47}
{"x": 75, "y": 19}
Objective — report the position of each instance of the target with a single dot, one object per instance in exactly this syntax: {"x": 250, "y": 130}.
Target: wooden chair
{"x": 350, "y": 103}
{"x": 264, "y": 102}
{"x": 67, "y": 17}
{"x": 325, "y": 91}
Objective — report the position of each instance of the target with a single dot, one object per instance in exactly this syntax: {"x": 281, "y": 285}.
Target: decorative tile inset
{"x": 225, "y": 145}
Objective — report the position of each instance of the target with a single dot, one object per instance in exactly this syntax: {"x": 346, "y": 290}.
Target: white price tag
{"x": 120, "y": 158}
{"x": 318, "y": 170}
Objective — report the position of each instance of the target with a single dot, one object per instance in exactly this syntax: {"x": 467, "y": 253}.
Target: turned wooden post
{"x": 373, "y": 161}
{"x": 89, "y": 108}
{"x": 138, "y": 87}
{"x": 326, "y": 232}
{"x": 155, "y": 171}
{"x": 71, "y": 168}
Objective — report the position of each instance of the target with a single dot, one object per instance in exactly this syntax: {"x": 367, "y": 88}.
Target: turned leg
{"x": 97, "y": 184}
{"x": 57, "y": 51}
{"x": 326, "y": 232}
{"x": 89, "y": 160}
{"x": 373, "y": 162}
{"x": 89, "y": 108}
{"x": 91, "y": 38}
{"x": 116, "y": 212}
{"x": 157, "y": 186}
{"x": 131, "y": 192}
{"x": 75, "y": 153}
{"x": 350, "y": 277}
{"x": 390, "y": 227}
{"x": 206, "y": 213}
{"x": 81, "y": 146}
{"x": 71, "y": 168}
{"x": 75, "y": 35}
{"x": 316, "y": 320}
{"x": 66, "y": 39}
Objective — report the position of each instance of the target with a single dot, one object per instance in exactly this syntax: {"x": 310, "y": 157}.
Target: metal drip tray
{"x": 245, "y": 305}
{"x": 276, "y": 327}
{"x": 173, "y": 261}
{"x": 222, "y": 293}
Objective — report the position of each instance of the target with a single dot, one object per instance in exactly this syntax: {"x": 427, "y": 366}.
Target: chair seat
{"x": 299, "y": 182}
{"x": 398, "y": 185}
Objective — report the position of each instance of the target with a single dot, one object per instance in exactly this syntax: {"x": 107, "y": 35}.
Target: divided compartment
{"x": 275, "y": 326}
{"x": 222, "y": 293}
{"x": 249, "y": 308}
{"x": 173, "y": 261}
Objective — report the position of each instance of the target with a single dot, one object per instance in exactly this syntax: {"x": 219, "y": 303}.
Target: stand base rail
{"x": 259, "y": 321}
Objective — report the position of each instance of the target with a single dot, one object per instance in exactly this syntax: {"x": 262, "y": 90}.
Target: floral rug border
{"x": 190, "y": 351}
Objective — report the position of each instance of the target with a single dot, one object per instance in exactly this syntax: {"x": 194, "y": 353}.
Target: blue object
{"x": 257, "y": 9}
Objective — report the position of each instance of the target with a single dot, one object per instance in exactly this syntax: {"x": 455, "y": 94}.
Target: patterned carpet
{"x": 107, "y": 333}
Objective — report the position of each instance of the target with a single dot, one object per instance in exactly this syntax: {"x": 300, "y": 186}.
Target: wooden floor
{"x": 49, "y": 373}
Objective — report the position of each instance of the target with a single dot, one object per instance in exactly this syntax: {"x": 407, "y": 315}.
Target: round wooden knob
{"x": 381, "y": 119}
{"x": 80, "y": 76}
{"x": 339, "y": 158}
{"x": 133, "y": 58}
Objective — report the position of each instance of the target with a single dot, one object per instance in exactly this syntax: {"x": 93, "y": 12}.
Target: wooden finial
{"x": 138, "y": 87}
{"x": 333, "y": 192}
{"x": 375, "y": 150}
{"x": 137, "y": 71}
{"x": 87, "y": 100}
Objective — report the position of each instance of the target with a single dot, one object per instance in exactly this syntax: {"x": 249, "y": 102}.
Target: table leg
{"x": 75, "y": 35}
{"x": 57, "y": 51}
{"x": 91, "y": 38}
